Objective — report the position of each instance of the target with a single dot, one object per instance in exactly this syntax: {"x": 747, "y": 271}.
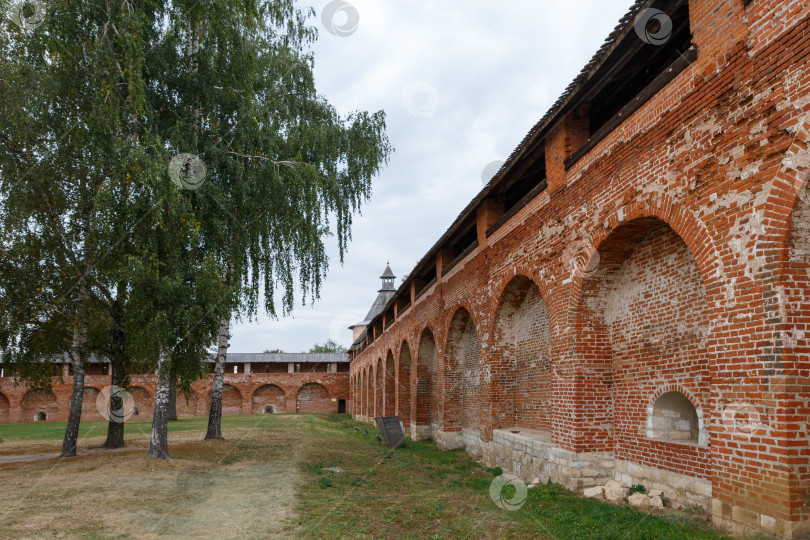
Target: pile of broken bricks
{"x": 616, "y": 493}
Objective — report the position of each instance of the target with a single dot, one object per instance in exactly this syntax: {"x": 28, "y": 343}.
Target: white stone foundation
{"x": 531, "y": 454}
{"x": 680, "y": 489}
{"x": 743, "y": 522}
{"x": 448, "y": 440}
{"x": 421, "y": 433}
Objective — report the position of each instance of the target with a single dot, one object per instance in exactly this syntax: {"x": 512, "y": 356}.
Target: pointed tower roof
{"x": 387, "y": 273}
{"x": 383, "y": 295}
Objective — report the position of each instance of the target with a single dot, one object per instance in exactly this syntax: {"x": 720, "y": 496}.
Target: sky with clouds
{"x": 461, "y": 82}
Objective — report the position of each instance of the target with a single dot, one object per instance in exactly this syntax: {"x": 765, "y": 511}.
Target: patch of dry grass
{"x": 244, "y": 486}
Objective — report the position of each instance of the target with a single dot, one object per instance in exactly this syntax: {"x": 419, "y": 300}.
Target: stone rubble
{"x": 617, "y": 493}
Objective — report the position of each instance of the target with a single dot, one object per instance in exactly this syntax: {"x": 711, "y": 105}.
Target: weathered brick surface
{"x": 674, "y": 256}
{"x": 242, "y": 394}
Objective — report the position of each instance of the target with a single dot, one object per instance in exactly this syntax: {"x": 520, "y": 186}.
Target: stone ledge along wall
{"x": 671, "y": 257}
{"x": 250, "y": 393}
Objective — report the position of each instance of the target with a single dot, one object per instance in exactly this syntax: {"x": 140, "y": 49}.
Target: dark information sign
{"x": 391, "y": 430}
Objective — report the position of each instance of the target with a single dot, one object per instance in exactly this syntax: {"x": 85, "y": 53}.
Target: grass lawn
{"x": 266, "y": 480}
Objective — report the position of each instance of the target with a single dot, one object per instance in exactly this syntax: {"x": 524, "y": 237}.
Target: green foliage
{"x": 273, "y": 351}
{"x": 637, "y": 488}
{"x": 324, "y": 482}
{"x": 93, "y": 233}
{"x": 496, "y": 471}
{"x": 328, "y": 347}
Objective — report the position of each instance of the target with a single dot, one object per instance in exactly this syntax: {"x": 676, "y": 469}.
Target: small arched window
{"x": 673, "y": 418}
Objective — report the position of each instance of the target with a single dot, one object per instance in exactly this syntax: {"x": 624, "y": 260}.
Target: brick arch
{"x": 231, "y": 399}
{"x": 365, "y": 390}
{"x": 379, "y": 387}
{"x": 314, "y": 398}
{"x": 791, "y": 182}
{"x": 504, "y": 281}
{"x": 521, "y": 357}
{"x": 39, "y": 401}
{"x": 642, "y": 321}
{"x": 695, "y": 400}
{"x": 427, "y": 381}
{"x": 358, "y": 395}
{"x": 692, "y": 231}
{"x": 461, "y": 394}
{"x": 404, "y": 361}
{"x": 5, "y": 405}
{"x": 268, "y": 396}
{"x": 188, "y": 405}
{"x": 451, "y": 313}
{"x": 352, "y": 394}
{"x": 389, "y": 378}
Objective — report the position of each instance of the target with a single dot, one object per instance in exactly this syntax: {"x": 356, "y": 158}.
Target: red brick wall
{"x": 268, "y": 395}
{"x": 521, "y": 359}
{"x": 379, "y": 387}
{"x": 403, "y": 380}
{"x": 390, "y": 385}
{"x": 462, "y": 378}
{"x": 672, "y": 257}
{"x": 37, "y": 401}
{"x": 644, "y": 321}
{"x": 231, "y": 400}
{"x": 238, "y": 395}
{"x": 4, "y": 408}
{"x": 427, "y": 372}
{"x": 90, "y": 408}
{"x": 145, "y": 402}
{"x": 314, "y": 398}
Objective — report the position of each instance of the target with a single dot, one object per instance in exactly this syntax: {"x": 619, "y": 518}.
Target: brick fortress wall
{"x": 646, "y": 317}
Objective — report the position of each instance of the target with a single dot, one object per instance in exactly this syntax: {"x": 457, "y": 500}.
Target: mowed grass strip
{"x": 420, "y": 491}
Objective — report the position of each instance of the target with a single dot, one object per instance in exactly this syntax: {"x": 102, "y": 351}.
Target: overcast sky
{"x": 461, "y": 82}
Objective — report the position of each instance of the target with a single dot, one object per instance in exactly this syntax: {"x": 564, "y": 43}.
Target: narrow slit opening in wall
{"x": 647, "y": 58}
{"x": 513, "y": 195}
{"x": 649, "y": 61}
{"x": 461, "y": 245}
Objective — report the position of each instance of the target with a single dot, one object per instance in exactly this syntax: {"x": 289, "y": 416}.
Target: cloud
{"x": 496, "y": 70}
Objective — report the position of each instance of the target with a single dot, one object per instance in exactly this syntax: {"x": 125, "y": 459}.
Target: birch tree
{"x": 285, "y": 170}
